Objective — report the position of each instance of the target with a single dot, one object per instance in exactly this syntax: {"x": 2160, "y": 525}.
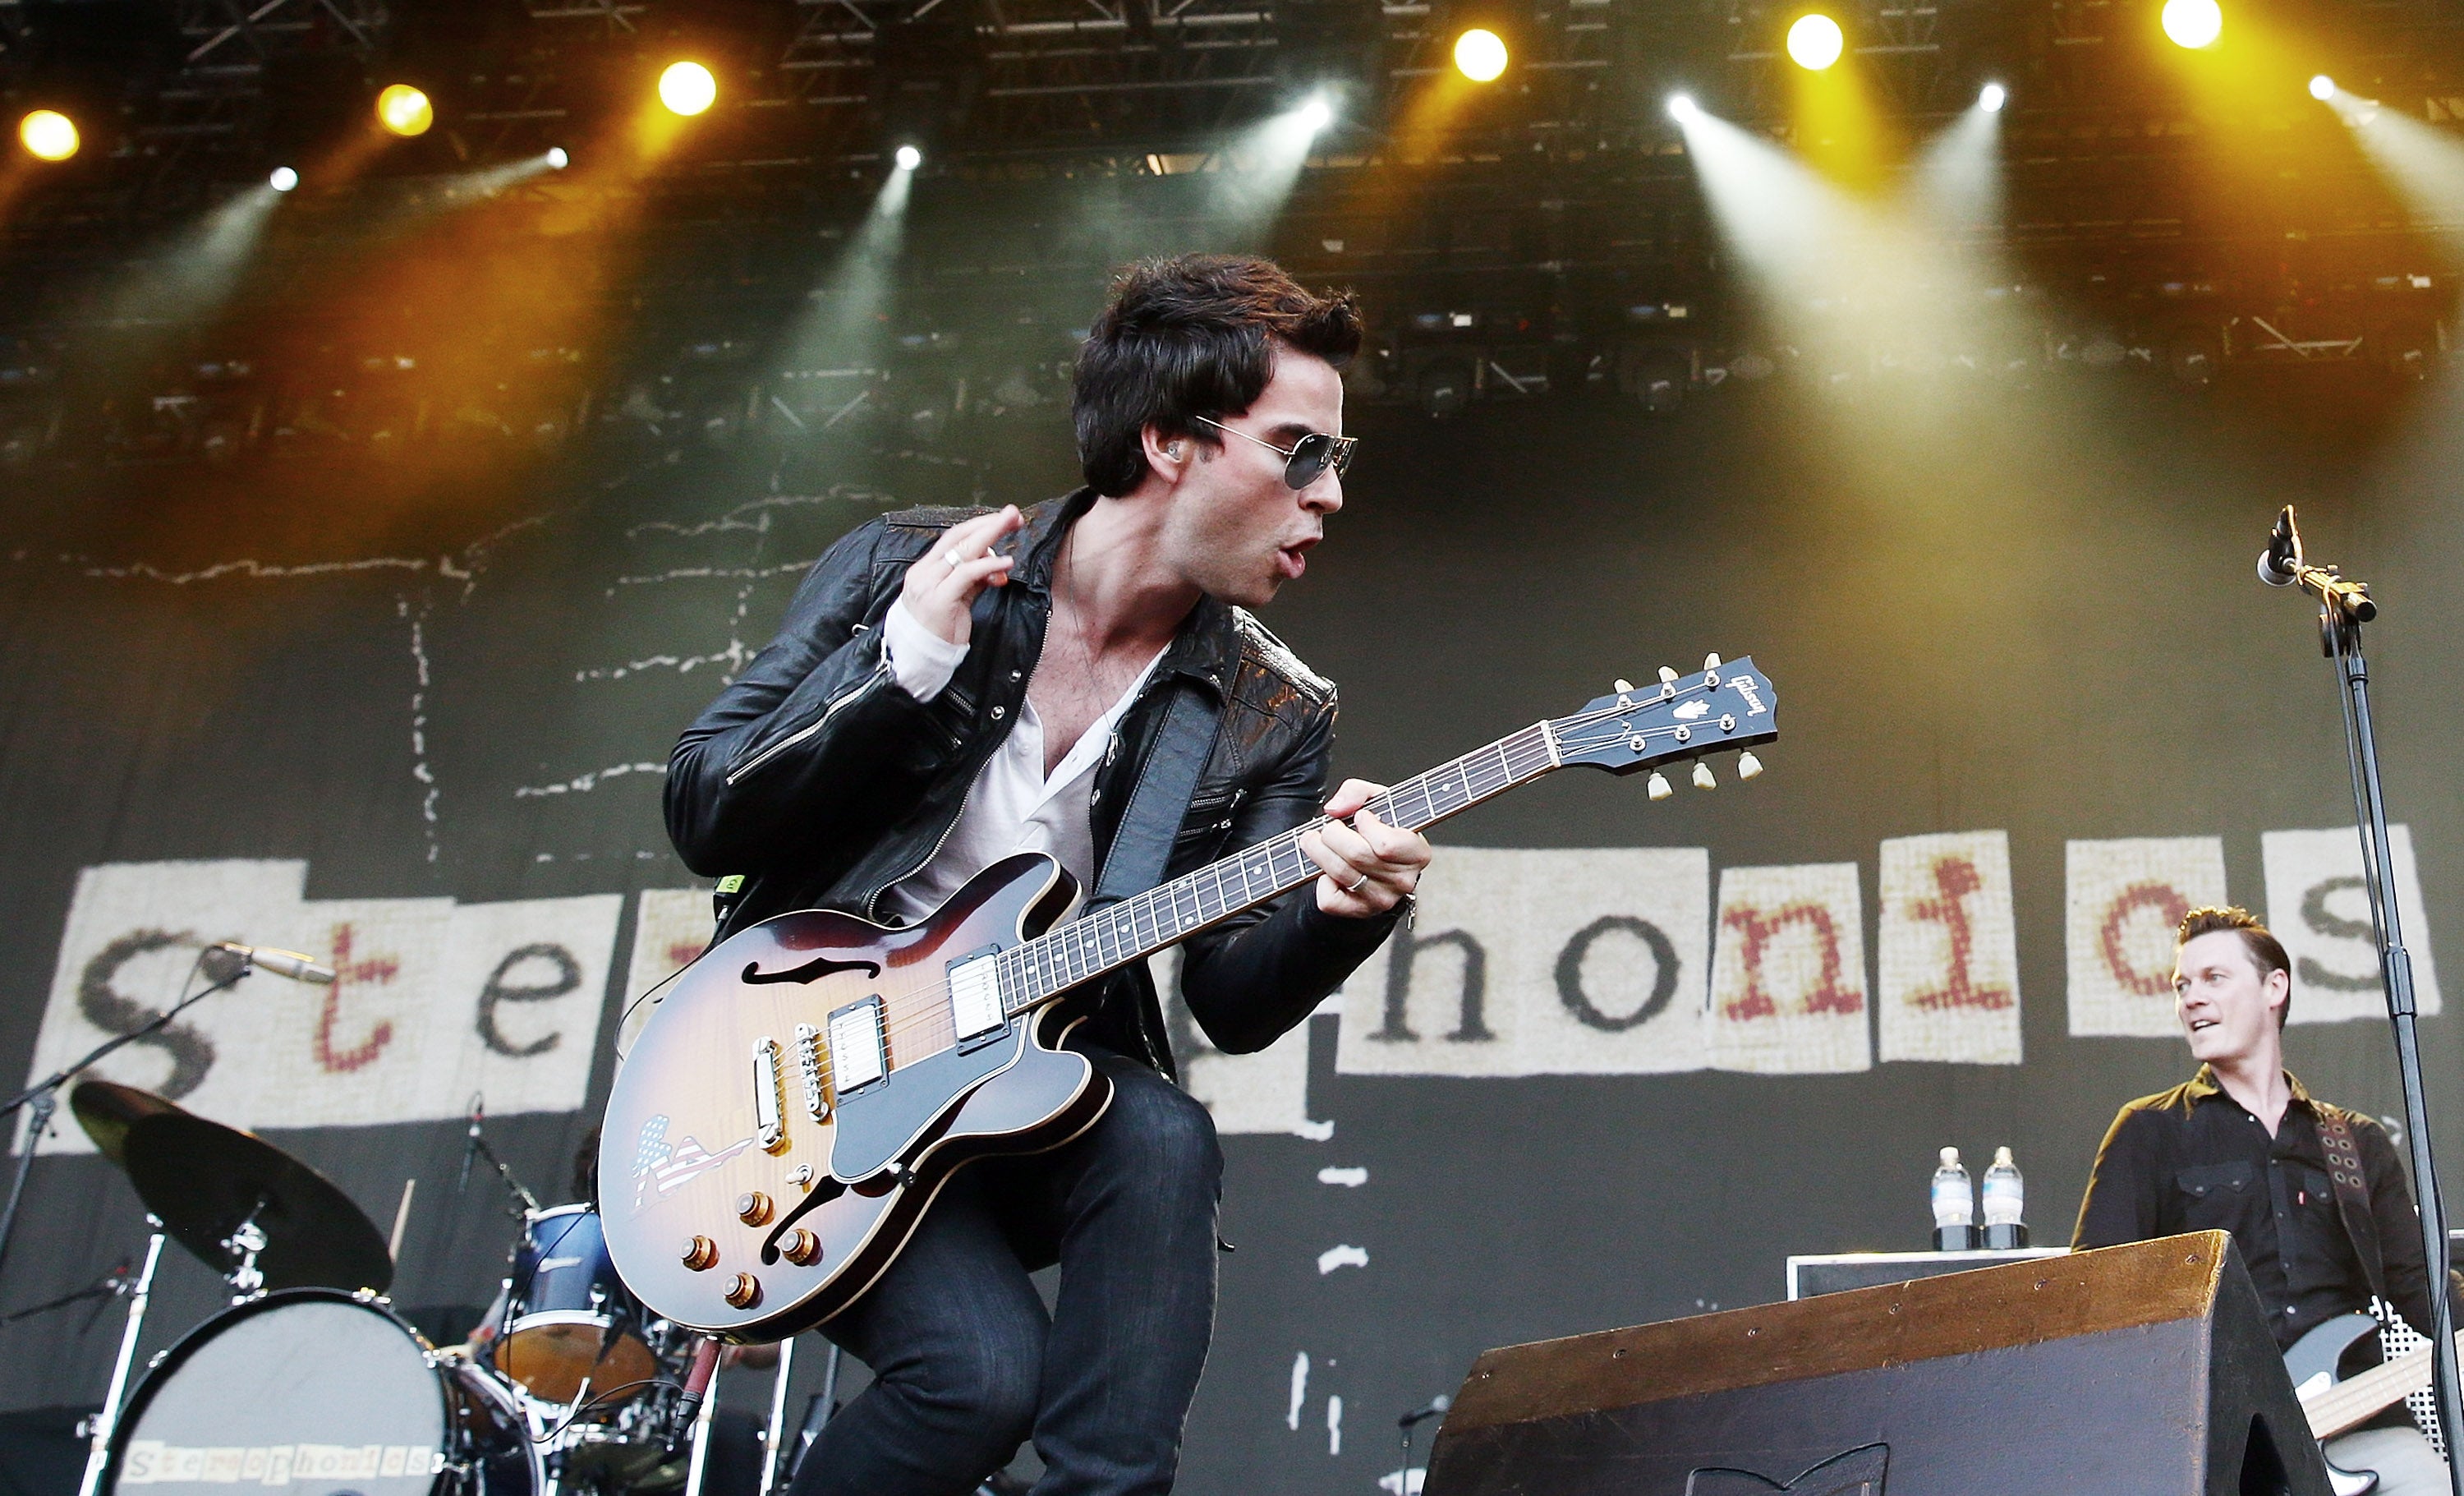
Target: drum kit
{"x": 311, "y": 1380}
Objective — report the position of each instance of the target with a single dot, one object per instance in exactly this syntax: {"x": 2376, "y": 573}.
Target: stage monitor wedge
{"x": 2135, "y": 1371}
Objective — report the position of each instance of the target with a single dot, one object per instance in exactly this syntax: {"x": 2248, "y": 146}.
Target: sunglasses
{"x": 1303, "y": 460}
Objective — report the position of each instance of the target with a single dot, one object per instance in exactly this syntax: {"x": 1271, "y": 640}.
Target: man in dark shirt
{"x": 2239, "y": 1147}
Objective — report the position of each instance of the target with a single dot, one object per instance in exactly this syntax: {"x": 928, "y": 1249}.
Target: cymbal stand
{"x": 774, "y": 1439}
{"x": 99, "y": 1451}
{"x": 42, "y": 1098}
{"x": 2344, "y": 606}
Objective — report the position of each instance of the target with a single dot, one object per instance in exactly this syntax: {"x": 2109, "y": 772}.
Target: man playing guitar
{"x": 2242, "y": 1148}
{"x": 1080, "y": 679}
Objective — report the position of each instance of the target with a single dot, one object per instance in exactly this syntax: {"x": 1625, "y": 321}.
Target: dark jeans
{"x": 967, "y": 1363}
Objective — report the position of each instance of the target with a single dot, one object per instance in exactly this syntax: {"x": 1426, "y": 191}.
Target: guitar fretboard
{"x": 1138, "y": 927}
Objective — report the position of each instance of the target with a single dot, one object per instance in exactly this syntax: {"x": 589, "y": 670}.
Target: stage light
{"x": 1991, "y": 97}
{"x": 1680, "y": 108}
{"x": 2322, "y": 88}
{"x": 1815, "y": 41}
{"x": 49, "y": 135}
{"x": 1315, "y": 115}
{"x": 908, "y": 158}
{"x": 557, "y": 159}
{"x": 2194, "y": 24}
{"x": 404, "y": 110}
{"x": 687, "y": 88}
{"x": 282, "y": 179}
{"x": 1480, "y": 54}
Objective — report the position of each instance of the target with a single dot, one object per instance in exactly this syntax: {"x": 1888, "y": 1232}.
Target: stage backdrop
{"x": 1629, "y": 1056}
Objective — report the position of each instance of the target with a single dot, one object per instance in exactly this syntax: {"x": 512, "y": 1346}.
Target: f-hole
{"x": 2263, "y": 1468}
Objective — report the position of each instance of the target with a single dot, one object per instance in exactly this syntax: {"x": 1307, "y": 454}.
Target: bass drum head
{"x": 314, "y": 1394}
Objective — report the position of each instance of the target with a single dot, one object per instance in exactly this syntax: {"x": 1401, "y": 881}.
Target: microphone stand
{"x": 42, "y": 1098}
{"x": 2344, "y": 607}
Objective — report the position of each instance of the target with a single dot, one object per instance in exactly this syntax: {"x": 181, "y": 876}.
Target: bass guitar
{"x": 2336, "y": 1407}
{"x": 790, "y": 1109}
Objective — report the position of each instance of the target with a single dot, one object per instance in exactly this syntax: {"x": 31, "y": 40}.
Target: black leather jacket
{"x": 819, "y": 778}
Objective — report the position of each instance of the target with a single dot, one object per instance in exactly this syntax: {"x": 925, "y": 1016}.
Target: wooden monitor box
{"x": 2137, "y": 1370}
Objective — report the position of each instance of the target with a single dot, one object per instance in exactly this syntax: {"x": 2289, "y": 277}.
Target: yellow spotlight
{"x": 48, "y": 134}
{"x": 2322, "y": 88}
{"x": 1815, "y": 41}
{"x": 2193, "y": 23}
{"x": 1480, "y": 54}
{"x": 687, "y": 88}
{"x": 404, "y": 110}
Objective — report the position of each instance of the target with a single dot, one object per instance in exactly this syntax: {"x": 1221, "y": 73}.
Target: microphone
{"x": 282, "y": 963}
{"x": 2278, "y": 563}
{"x": 471, "y": 1151}
{"x": 705, "y": 1361}
{"x": 1436, "y": 1405}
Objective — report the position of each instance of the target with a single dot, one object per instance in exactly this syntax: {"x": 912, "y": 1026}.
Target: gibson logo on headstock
{"x": 1745, "y": 685}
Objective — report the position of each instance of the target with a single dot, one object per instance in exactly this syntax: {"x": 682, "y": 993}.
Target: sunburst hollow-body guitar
{"x": 802, "y": 1090}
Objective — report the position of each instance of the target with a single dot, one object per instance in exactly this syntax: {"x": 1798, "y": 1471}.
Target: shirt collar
{"x": 2204, "y": 1084}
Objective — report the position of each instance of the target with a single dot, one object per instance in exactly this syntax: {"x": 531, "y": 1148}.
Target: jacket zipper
{"x": 872, "y": 904}
{"x": 880, "y": 673}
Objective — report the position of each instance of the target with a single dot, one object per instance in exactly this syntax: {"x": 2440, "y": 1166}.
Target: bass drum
{"x": 314, "y": 1392}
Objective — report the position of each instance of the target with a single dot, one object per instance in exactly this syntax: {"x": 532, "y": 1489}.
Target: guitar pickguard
{"x": 877, "y": 1125}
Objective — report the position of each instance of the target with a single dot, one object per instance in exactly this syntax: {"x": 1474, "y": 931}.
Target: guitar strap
{"x": 2352, "y": 1194}
{"x": 1150, "y": 822}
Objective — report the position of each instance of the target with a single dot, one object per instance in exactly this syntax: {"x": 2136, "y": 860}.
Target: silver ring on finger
{"x": 1355, "y": 888}
{"x": 951, "y": 556}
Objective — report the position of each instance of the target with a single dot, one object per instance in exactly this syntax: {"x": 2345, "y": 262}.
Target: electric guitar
{"x": 790, "y": 1109}
{"x": 2337, "y": 1407}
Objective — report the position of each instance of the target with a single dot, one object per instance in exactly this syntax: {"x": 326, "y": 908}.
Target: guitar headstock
{"x": 1675, "y": 719}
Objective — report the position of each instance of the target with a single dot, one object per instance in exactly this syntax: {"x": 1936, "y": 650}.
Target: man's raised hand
{"x": 942, "y": 584}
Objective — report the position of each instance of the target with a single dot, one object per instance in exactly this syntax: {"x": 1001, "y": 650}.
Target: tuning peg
{"x": 1658, "y": 785}
{"x": 1747, "y": 765}
{"x": 1622, "y": 686}
{"x": 1711, "y": 662}
{"x": 1702, "y": 779}
{"x": 1667, "y": 676}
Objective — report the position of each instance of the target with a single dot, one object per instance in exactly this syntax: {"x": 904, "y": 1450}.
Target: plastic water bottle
{"x": 1954, "y": 1206}
{"x": 2006, "y": 1204}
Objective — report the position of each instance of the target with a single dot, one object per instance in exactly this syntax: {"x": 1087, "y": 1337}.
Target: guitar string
{"x": 930, "y": 1019}
{"x": 903, "y": 1030}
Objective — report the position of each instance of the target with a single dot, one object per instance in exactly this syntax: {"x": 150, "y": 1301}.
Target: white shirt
{"x": 1013, "y": 806}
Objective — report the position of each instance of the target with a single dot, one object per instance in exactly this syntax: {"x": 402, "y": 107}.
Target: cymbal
{"x": 203, "y": 1180}
{"x": 107, "y": 1111}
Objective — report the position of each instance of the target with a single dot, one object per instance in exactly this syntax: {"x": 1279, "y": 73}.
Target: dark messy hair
{"x": 2266, "y": 951}
{"x": 1188, "y": 336}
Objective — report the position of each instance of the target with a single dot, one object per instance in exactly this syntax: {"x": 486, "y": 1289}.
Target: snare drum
{"x": 566, "y": 1304}
{"x": 315, "y": 1390}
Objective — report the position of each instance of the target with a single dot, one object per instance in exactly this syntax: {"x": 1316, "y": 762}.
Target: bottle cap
{"x": 1950, "y": 1157}
{"x": 2002, "y": 1158}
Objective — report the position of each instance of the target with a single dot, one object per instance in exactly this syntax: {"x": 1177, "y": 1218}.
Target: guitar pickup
{"x": 975, "y": 1008}
{"x": 859, "y": 1049}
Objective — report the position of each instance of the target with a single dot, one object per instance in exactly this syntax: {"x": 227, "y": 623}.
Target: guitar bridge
{"x": 810, "y": 1068}
{"x": 768, "y": 1084}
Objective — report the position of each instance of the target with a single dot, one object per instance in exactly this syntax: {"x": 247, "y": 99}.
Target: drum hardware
{"x": 104, "y": 1423}
{"x": 525, "y": 1203}
{"x": 246, "y": 1241}
{"x": 774, "y": 1438}
{"x": 42, "y": 1098}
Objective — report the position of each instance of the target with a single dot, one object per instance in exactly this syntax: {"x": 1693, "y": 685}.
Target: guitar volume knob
{"x": 744, "y": 1293}
{"x": 700, "y": 1253}
{"x": 801, "y": 1247}
{"x": 752, "y": 1207}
